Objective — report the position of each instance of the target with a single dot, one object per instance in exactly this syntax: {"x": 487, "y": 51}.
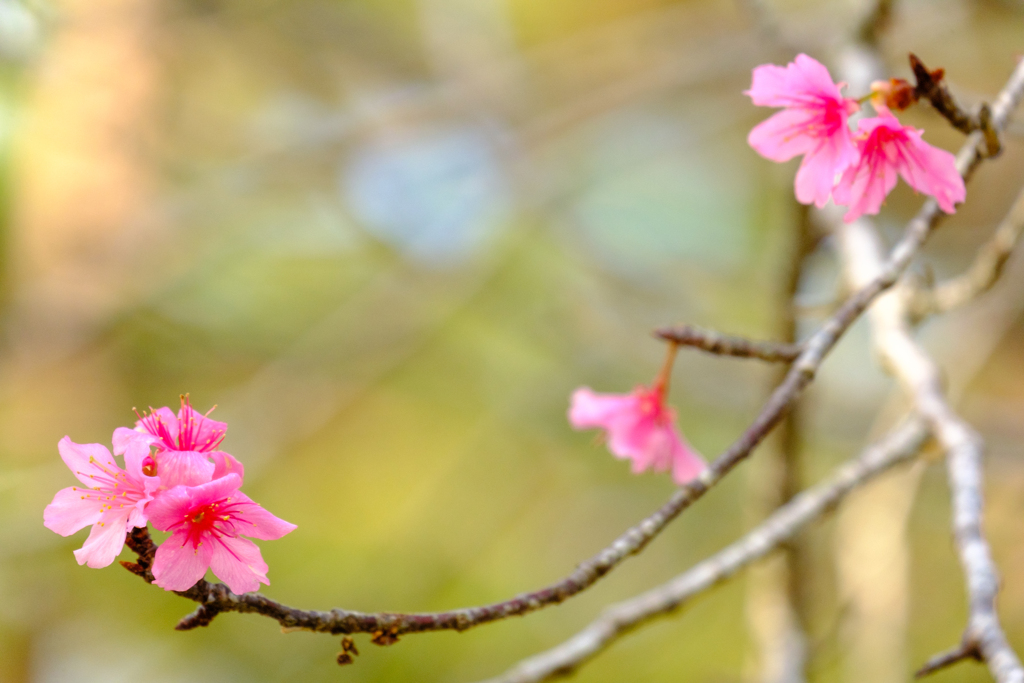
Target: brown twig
{"x": 216, "y": 598}
{"x": 728, "y": 345}
{"x": 965, "y": 650}
{"x": 618, "y": 620}
{"x": 931, "y": 86}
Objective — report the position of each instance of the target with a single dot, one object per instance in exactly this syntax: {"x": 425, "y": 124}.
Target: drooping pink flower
{"x": 813, "y": 123}
{"x": 887, "y": 148}
{"x": 207, "y": 524}
{"x": 113, "y": 500}
{"x": 639, "y": 427}
{"x": 186, "y": 445}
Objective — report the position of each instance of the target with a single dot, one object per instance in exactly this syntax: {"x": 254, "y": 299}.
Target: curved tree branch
{"x": 618, "y": 620}
{"x": 215, "y": 598}
{"x": 387, "y": 626}
{"x": 589, "y": 642}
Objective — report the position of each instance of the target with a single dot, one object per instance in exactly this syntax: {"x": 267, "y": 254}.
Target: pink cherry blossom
{"x": 813, "y": 123}
{"x": 639, "y": 427}
{"x": 888, "y": 148}
{"x": 112, "y": 501}
{"x": 186, "y": 445}
{"x": 207, "y": 524}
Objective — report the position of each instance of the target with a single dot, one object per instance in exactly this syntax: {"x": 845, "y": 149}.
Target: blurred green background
{"x": 388, "y": 238}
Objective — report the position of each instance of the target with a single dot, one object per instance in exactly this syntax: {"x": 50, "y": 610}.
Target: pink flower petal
{"x": 770, "y": 86}
{"x": 70, "y": 511}
{"x": 256, "y": 522}
{"x": 104, "y": 543}
{"x": 178, "y": 565}
{"x": 887, "y": 149}
{"x": 932, "y": 171}
{"x": 186, "y": 468}
{"x": 687, "y": 465}
{"x": 86, "y": 461}
{"x": 810, "y": 75}
{"x": 225, "y": 464}
{"x": 817, "y": 173}
{"x": 655, "y": 443}
{"x": 169, "y": 507}
{"x": 801, "y": 82}
{"x": 125, "y": 438}
{"x": 588, "y": 409}
{"x": 781, "y": 136}
{"x": 238, "y": 563}
{"x": 629, "y": 436}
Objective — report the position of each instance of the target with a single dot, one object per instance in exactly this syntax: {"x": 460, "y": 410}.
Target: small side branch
{"x": 982, "y": 274}
{"x": 216, "y": 598}
{"x": 618, "y": 620}
{"x": 932, "y": 87}
{"x": 966, "y": 650}
{"x": 727, "y": 345}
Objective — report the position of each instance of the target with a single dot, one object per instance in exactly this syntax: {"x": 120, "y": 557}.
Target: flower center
{"x": 186, "y": 435}
{"x": 202, "y": 524}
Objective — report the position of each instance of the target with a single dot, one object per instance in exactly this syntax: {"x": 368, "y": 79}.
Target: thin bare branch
{"x": 949, "y": 658}
{"x": 963, "y": 447}
{"x": 616, "y": 621}
{"x": 982, "y": 274}
{"x": 728, "y": 345}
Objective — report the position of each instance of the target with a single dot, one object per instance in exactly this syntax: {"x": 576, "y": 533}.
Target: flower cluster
{"x": 857, "y": 169}
{"x": 175, "y": 477}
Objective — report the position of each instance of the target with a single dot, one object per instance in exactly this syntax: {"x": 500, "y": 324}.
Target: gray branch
{"x": 861, "y": 250}
{"x": 618, "y": 620}
{"x": 730, "y": 345}
{"x": 883, "y": 276}
{"x": 215, "y": 598}
{"x": 980, "y": 276}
